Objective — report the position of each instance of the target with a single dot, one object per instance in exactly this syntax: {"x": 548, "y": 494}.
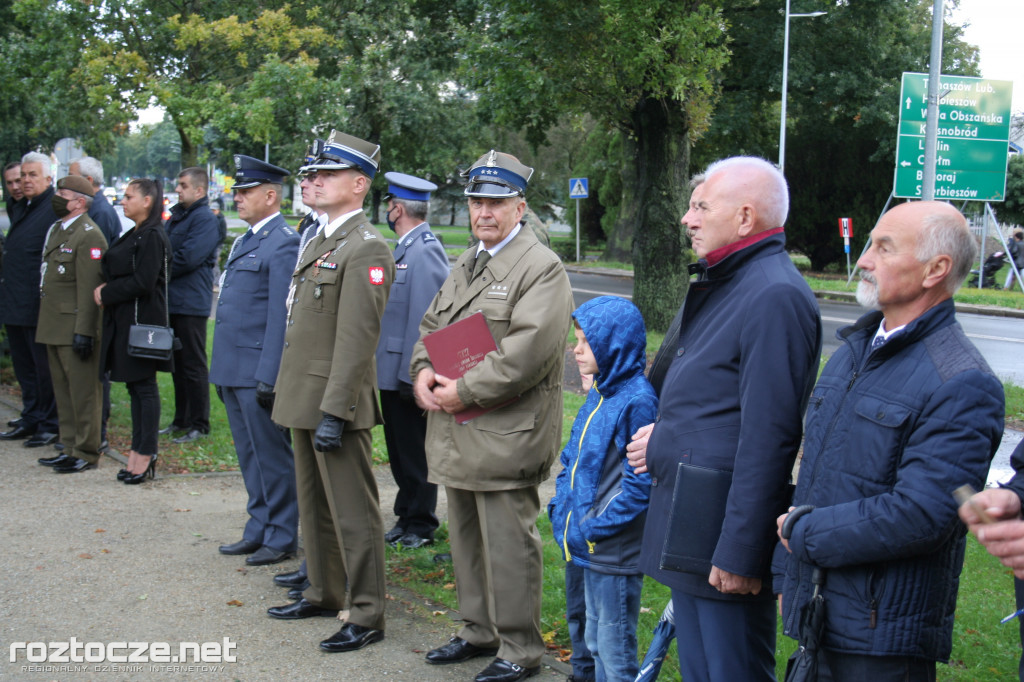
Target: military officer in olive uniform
{"x": 421, "y": 265}
{"x": 492, "y": 465}
{"x": 70, "y": 321}
{"x": 326, "y": 393}
{"x": 247, "y": 342}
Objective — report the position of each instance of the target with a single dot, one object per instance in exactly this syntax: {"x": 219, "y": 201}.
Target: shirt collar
{"x": 333, "y": 225}
{"x": 256, "y": 228}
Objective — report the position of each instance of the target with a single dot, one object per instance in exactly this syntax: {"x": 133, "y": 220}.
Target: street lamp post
{"x": 785, "y": 82}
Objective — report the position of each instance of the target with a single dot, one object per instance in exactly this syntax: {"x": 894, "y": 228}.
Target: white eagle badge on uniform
{"x": 376, "y": 275}
{"x": 95, "y": 253}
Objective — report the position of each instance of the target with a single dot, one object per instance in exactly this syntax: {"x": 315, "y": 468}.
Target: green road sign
{"x": 973, "y": 136}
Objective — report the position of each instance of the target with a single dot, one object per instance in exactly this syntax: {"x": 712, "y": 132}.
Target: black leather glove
{"x": 82, "y": 346}
{"x": 265, "y": 395}
{"x": 220, "y": 391}
{"x": 327, "y": 437}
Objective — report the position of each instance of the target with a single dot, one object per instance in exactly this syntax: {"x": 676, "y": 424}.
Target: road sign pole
{"x": 981, "y": 255}
{"x": 931, "y": 134}
{"x": 577, "y": 230}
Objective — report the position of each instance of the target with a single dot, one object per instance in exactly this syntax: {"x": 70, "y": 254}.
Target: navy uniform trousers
{"x": 268, "y": 469}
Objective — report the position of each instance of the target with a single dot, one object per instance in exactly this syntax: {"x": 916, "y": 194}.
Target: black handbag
{"x": 151, "y": 341}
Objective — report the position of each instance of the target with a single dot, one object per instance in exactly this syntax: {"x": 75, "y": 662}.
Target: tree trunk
{"x": 654, "y": 198}
{"x": 189, "y": 150}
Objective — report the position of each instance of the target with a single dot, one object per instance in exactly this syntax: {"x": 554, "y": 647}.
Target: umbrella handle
{"x": 792, "y": 517}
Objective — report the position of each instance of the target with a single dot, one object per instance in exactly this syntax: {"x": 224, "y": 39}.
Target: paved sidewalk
{"x": 85, "y": 556}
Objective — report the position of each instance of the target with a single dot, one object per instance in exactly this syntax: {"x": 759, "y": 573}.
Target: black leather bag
{"x": 150, "y": 341}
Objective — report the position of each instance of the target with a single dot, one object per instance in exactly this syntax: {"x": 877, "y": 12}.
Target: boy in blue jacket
{"x": 599, "y": 507}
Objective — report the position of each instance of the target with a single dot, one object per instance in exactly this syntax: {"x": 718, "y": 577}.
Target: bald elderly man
{"x": 905, "y": 412}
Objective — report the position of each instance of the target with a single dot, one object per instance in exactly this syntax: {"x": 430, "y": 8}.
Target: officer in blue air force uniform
{"x": 247, "y": 344}
{"x": 421, "y": 266}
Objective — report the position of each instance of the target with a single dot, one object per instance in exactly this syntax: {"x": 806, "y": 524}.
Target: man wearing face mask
{"x": 69, "y": 323}
{"x": 19, "y": 304}
{"x": 421, "y": 266}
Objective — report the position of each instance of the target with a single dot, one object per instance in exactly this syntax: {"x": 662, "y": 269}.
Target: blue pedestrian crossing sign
{"x": 578, "y": 188}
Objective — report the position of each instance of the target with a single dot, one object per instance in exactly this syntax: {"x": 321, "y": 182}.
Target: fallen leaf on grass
{"x": 549, "y": 636}
{"x": 104, "y": 551}
{"x": 100, "y": 530}
{"x": 644, "y": 609}
{"x": 234, "y": 602}
{"x": 85, "y": 556}
{"x": 439, "y": 613}
{"x": 449, "y": 586}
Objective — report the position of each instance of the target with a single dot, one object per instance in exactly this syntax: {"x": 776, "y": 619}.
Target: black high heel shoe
{"x": 136, "y": 479}
{"x": 122, "y": 474}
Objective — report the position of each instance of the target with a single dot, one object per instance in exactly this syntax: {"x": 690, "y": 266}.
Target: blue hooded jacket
{"x": 599, "y": 507}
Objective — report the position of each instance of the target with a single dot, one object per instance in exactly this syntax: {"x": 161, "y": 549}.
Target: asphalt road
{"x": 1000, "y": 339}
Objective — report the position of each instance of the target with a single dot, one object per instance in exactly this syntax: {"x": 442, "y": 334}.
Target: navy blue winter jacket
{"x": 598, "y": 511}
{"x": 733, "y": 400}
{"x": 194, "y": 244}
{"x": 890, "y": 434}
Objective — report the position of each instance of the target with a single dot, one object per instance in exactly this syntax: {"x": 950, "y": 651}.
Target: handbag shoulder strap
{"x": 167, "y": 293}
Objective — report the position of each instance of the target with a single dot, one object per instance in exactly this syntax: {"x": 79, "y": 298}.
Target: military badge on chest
{"x": 320, "y": 264}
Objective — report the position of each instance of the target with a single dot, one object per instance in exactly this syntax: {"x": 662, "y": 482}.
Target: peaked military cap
{"x": 497, "y": 175}
{"x": 345, "y": 151}
{"x": 250, "y": 172}
{"x": 76, "y": 183}
{"x": 312, "y": 152}
{"x": 404, "y": 186}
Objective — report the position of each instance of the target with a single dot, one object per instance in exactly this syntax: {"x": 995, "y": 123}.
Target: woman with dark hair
{"x": 135, "y": 292}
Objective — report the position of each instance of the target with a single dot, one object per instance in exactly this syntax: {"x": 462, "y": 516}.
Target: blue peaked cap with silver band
{"x": 404, "y": 186}
{"x": 341, "y": 151}
{"x": 497, "y": 175}
{"x": 250, "y": 172}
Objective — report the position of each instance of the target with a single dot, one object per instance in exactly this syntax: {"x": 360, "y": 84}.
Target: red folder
{"x": 456, "y": 349}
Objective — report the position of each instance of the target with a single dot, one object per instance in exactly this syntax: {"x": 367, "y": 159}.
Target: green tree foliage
{"x": 642, "y": 67}
{"x": 844, "y": 82}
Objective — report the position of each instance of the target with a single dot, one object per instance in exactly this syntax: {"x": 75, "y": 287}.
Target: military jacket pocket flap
{"x": 394, "y": 344}
{"x": 505, "y": 422}
{"x": 251, "y": 264}
{"x": 400, "y": 276}
{"x": 326, "y": 276}
{"x": 320, "y": 368}
{"x": 64, "y": 257}
{"x": 881, "y": 412}
{"x": 497, "y": 311}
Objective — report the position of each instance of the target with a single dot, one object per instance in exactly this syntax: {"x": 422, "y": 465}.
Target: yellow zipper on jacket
{"x": 572, "y": 479}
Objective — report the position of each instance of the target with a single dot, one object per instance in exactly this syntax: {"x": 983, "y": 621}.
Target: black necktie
{"x": 246, "y": 237}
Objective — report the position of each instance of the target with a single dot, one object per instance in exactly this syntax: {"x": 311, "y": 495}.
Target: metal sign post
{"x": 578, "y": 189}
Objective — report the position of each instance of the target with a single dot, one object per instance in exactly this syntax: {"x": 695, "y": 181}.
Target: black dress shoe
{"x": 501, "y": 670}
{"x": 194, "y": 434}
{"x": 73, "y": 466}
{"x": 300, "y": 609}
{"x": 240, "y": 547}
{"x": 293, "y": 579}
{"x": 56, "y": 460}
{"x": 17, "y": 433}
{"x": 296, "y": 592}
{"x": 458, "y": 650}
{"x": 40, "y": 439}
{"x": 264, "y": 556}
{"x": 413, "y": 541}
{"x": 173, "y": 428}
{"x": 394, "y": 535}
{"x": 15, "y": 423}
{"x": 351, "y": 637}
